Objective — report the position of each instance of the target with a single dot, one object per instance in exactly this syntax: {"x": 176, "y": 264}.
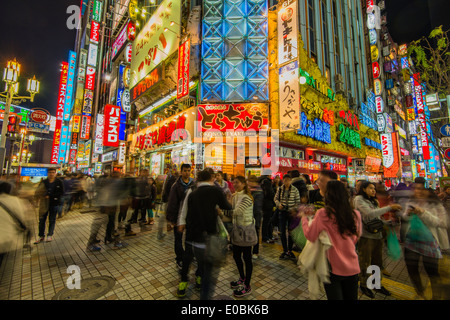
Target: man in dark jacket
{"x": 49, "y": 192}
{"x": 176, "y": 197}
{"x": 268, "y": 204}
{"x": 201, "y": 221}
{"x": 141, "y": 196}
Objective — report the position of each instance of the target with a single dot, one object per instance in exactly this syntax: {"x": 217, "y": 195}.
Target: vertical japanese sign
{"x": 98, "y": 144}
{"x": 289, "y": 97}
{"x": 287, "y": 32}
{"x": 111, "y": 126}
{"x": 391, "y": 155}
{"x": 59, "y": 113}
{"x": 95, "y": 31}
{"x": 97, "y": 11}
{"x": 64, "y": 145}
{"x": 85, "y": 127}
{"x": 70, "y": 85}
{"x": 421, "y": 117}
{"x": 122, "y": 152}
{"x": 184, "y": 55}
{"x": 119, "y": 100}
{"x": 90, "y": 78}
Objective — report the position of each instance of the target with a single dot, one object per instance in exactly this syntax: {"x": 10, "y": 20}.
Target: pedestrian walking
{"x": 49, "y": 192}
{"x": 268, "y": 208}
{"x": 152, "y": 202}
{"x": 14, "y": 222}
{"x": 344, "y": 227}
{"x": 287, "y": 199}
{"x": 176, "y": 197}
{"x": 141, "y": 197}
{"x": 425, "y": 244}
{"x": 201, "y": 221}
{"x": 243, "y": 215}
{"x": 258, "y": 202}
{"x": 370, "y": 245}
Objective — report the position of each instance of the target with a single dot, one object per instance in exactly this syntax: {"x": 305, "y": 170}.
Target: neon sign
{"x": 316, "y": 129}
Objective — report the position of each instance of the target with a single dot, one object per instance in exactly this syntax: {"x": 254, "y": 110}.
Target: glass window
{"x": 326, "y": 52}
{"x": 311, "y": 28}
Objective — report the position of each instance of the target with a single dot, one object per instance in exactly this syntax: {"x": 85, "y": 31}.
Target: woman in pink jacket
{"x": 343, "y": 225}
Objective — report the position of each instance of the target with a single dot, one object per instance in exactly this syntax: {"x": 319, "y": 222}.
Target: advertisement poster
{"x": 289, "y": 97}
{"x": 391, "y": 155}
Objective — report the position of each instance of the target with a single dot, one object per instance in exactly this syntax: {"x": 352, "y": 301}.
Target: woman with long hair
{"x": 343, "y": 226}
{"x": 242, "y": 203}
{"x": 370, "y": 246}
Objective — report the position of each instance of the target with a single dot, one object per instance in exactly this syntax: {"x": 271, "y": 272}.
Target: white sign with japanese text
{"x": 287, "y": 32}
{"x": 289, "y": 97}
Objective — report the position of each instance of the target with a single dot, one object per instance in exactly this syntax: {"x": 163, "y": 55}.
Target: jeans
{"x": 284, "y": 222}
{"x": 51, "y": 214}
{"x": 178, "y": 245}
{"x": 342, "y": 288}
{"x": 431, "y": 266}
{"x": 370, "y": 252}
{"x": 207, "y": 271}
{"x": 140, "y": 206}
{"x": 246, "y": 253}
{"x": 267, "y": 227}
{"x": 188, "y": 255}
{"x": 258, "y": 229}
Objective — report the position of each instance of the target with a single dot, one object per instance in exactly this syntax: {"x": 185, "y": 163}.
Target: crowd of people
{"x": 251, "y": 210}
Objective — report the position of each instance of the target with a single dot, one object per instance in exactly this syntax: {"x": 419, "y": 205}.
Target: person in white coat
{"x": 13, "y": 221}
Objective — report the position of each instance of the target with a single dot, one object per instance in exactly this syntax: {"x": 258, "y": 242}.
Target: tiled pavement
{"x": 146, "y": 270}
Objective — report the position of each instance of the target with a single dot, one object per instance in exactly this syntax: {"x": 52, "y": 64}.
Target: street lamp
{"x": 11, "y": 76}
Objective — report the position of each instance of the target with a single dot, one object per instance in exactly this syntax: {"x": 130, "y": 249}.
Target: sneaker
{"x": 118, "y": 245}
{"x": 270, "y": 241}
{"x": 255, "y": 256}
{"x": 384, "y": 291}
{"x": 41, "y": 239}
{"x": 94, "y": 248}
{"x": 129, "y": 233}
{"x": 180, "y": 264}
{"x": 237, "y": 284}
{"x": 291, "y": 255}
{"x": 284, "y": 256}
{"x": 367, "y": 292}
{"x": 49, "y": 239}
{"x": 198, "y": 283}
{"x": 181, "y": 292}
{"x": 244, "y": 291}
{"x": 160, "y": 236}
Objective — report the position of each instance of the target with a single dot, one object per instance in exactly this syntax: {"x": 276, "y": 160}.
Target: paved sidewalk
{"x": 146, "y": 269}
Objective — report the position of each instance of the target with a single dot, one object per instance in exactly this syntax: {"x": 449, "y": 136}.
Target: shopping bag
{"x": 298, "y": 236}
{"x": 418, "y": 232}
{"x": 394, "y": 250}
{"x": 217, "y": 245}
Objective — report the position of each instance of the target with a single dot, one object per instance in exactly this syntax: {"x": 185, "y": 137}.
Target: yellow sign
{"x": 374, "y": 53}
{"x": 133, "y": 9}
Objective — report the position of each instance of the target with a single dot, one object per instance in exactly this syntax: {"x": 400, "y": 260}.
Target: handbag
{"x": 244, "y": 236}
{"x": 217, "y": 245}
{"x": 374, "y": 226}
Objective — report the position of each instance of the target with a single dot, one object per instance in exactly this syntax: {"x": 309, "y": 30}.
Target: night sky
{"x": 35, "y": 33}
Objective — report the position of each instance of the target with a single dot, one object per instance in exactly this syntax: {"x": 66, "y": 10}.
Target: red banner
{"x": 85, "y": 127}
{"x": 184, "y": 55}
{"x": 111, "y": 126}
{"x": 90, "y": 78}
{"x": 95, "y": 31}
{"x": 59, "y": 112}
{"x": 421, "y": 117}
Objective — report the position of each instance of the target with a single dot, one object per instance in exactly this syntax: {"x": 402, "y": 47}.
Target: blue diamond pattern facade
{"x": 234, "y": 51}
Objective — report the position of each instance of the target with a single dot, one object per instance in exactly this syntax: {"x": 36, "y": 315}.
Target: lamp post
{"x": 11, "y": 76}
